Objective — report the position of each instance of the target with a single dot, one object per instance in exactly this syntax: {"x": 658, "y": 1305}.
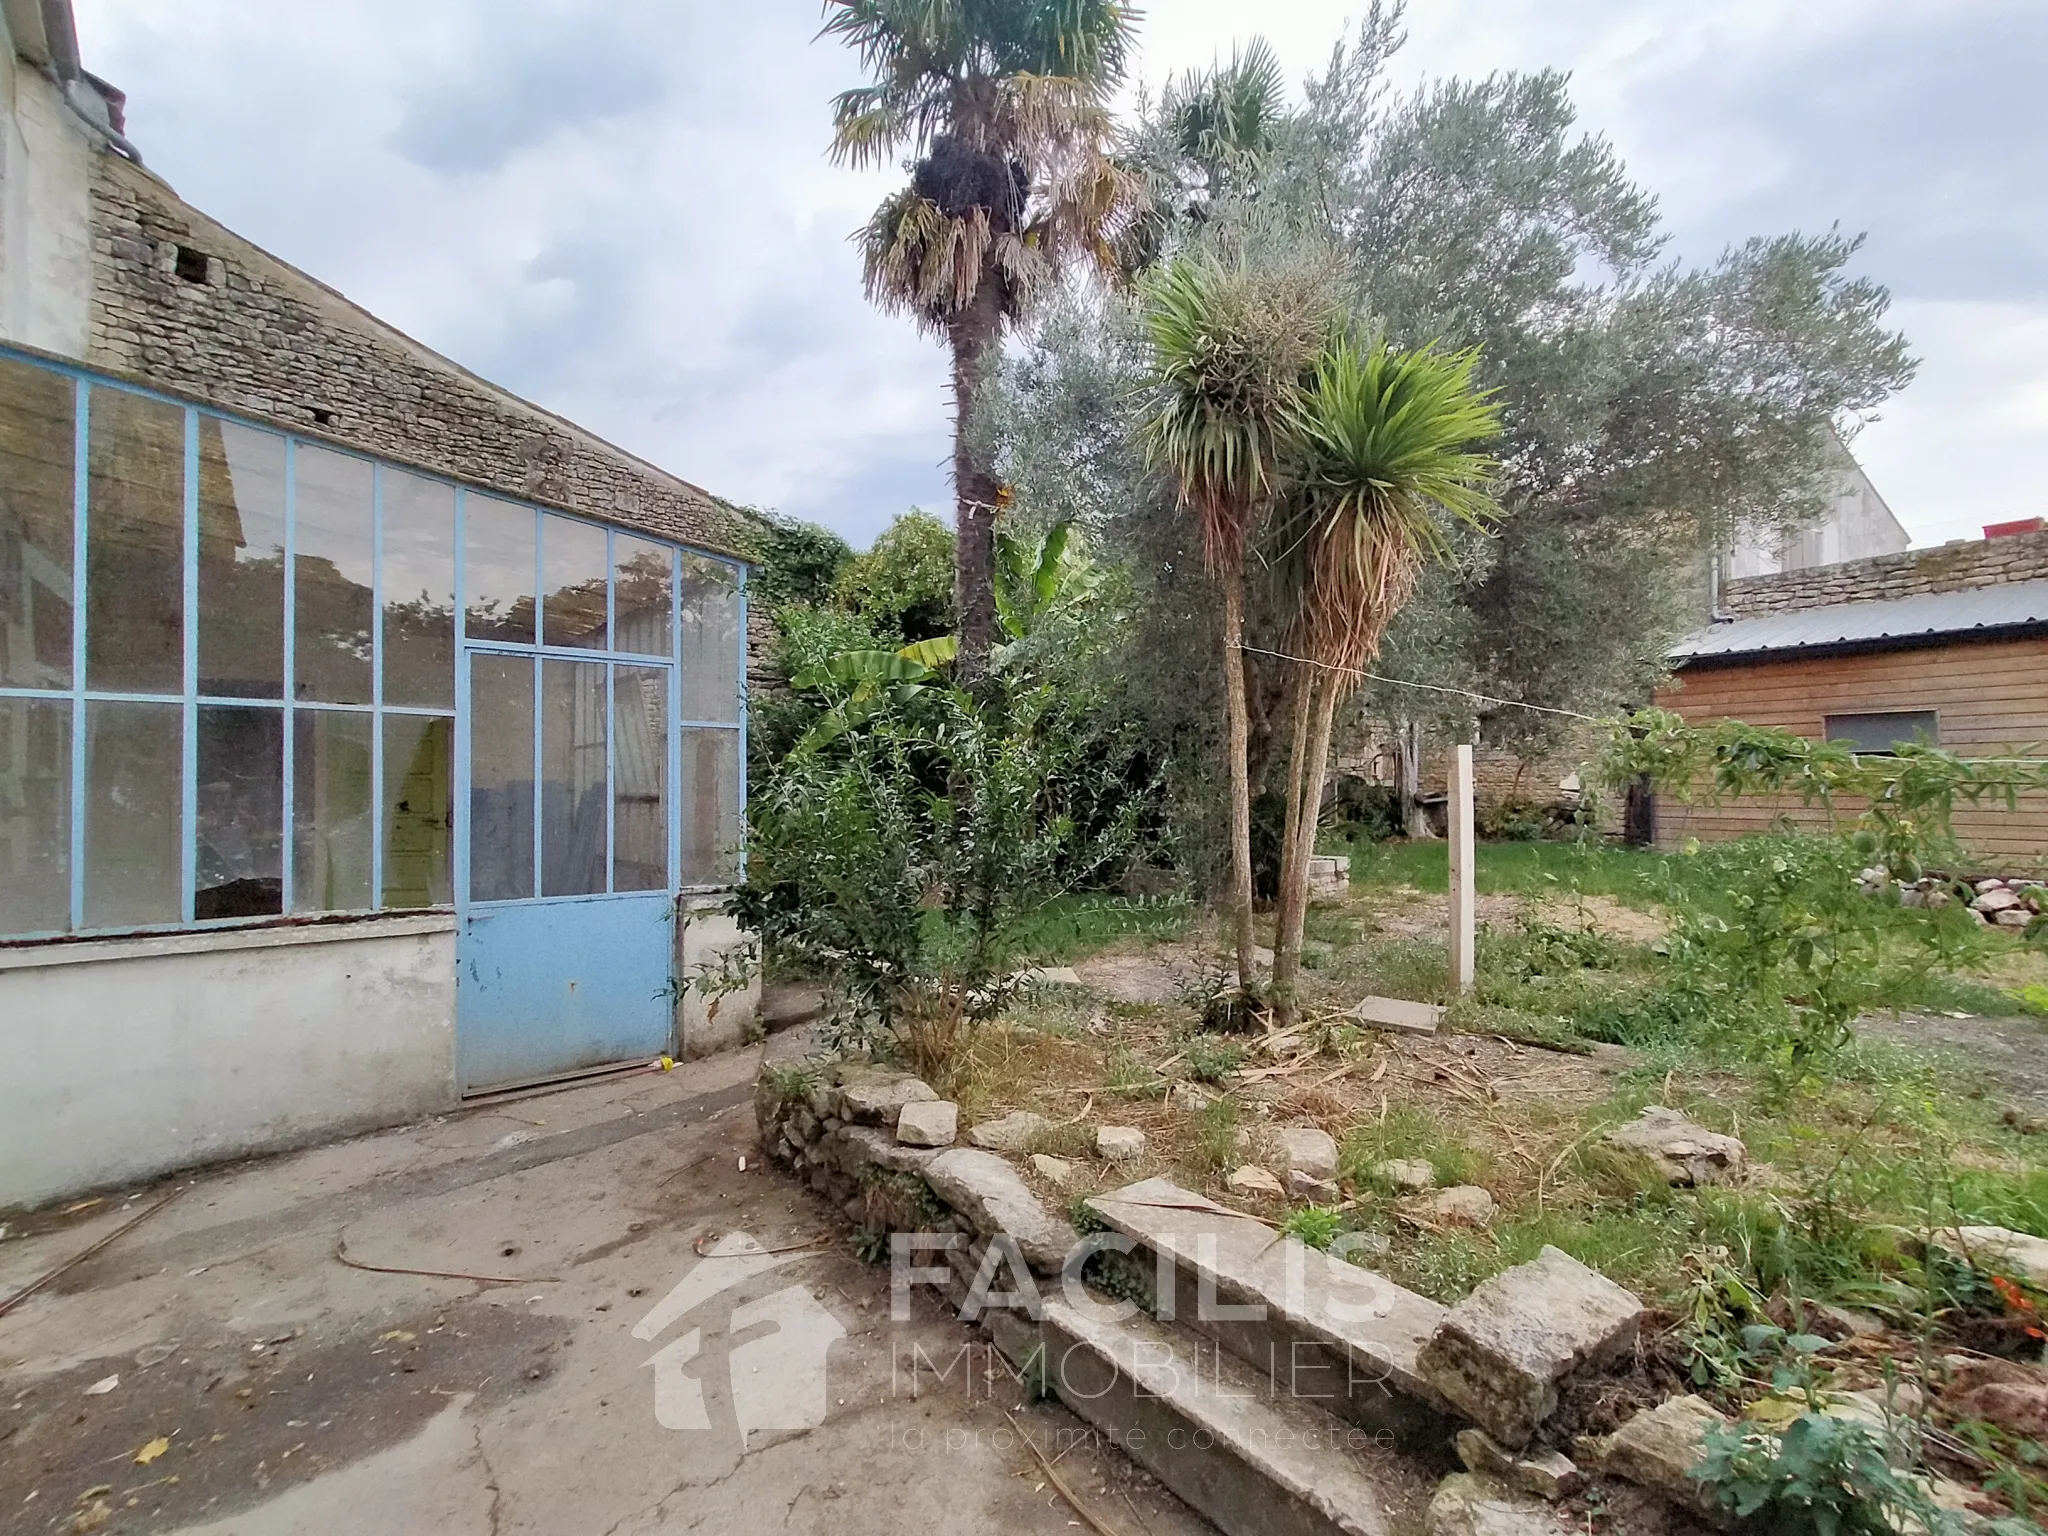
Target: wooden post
{"x": 1464, "y": 896}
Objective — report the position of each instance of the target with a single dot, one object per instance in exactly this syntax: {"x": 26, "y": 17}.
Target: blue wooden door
{"x": 566, "y": 946}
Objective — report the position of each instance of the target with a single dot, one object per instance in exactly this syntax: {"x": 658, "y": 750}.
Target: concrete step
{"x": 1251, "y": 1460}
{"x": 788, "y": 1004}
{"x": 1321, "y": 1327}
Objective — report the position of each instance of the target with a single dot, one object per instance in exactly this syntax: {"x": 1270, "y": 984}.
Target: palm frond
{"x": 1230, "y": 348}
{"x": 1384, "y": 451}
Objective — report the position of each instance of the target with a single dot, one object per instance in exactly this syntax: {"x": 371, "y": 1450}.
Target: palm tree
{"x": 1383, "y": 453}
{"x": 1004, "y": 107}
{"x": 1209, "y": 139}
{"x": 1231, "y": 347}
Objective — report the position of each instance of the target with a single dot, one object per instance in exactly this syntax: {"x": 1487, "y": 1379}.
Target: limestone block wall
{"x": 1951, "y": 568}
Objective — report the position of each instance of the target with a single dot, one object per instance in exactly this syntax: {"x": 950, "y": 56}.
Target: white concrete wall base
{"x": 131, "y": 1058}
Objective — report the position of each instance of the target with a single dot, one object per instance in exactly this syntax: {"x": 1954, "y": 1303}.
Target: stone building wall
{"x": 1951, "y": 568}
{"x": 184, "y": 304}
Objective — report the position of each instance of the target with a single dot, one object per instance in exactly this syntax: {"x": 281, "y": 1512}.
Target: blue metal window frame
{"x": 86, "y": 384}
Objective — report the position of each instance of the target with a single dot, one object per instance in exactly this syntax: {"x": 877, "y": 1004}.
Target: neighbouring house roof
{"x": 2016, "y": 608}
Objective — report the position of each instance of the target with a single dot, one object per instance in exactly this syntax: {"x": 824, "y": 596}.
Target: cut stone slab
{"x": 1252, "y": 1462}
{"x": 1549, "y": 1475}
{"x": 994, "y": 1198}
{"x": 1399, "y": 1014}
{"x": 928, "y": 1123}
{"x": 876, "y": 1096}
{"x": 853, "y": 1149}
{"x": 1251, "y": 1179}
{"x": 2001, "y": 1250}
{"x": 1499, "y": 1354}
{"x": 1462, "y": 1205}
{"x": 1012, "y": 1133}
{"x": 1412, "y": 1175}
{"x": 1686, "y": 1151}
{"x": 1119, "y": 1143}
{"x": 1658, "y": 1449}
{"x": 1468, "y": 1505}
{"x": 1327, "y": 1329}
{"x": 1056, "y": 1171}
{"x": 1308, "y": 1149}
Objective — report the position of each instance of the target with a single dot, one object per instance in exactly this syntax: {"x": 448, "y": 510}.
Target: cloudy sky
{"x": 622, "y": 208}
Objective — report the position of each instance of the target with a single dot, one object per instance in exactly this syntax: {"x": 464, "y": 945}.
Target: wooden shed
{"x": 1966, "y": 670}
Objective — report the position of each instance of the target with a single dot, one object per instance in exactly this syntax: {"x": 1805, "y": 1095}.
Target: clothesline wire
{"x": 1402, "y": 682}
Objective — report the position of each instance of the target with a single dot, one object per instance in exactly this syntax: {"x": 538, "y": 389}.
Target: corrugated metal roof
{"x": 2017, "y": 605}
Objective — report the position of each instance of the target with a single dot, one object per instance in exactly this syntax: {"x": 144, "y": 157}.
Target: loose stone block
{"x": 1253, "y": 1180}
{"x": 1308, "y": 1150}
{"x": 1549, "y": 1475}
{"x": 1466, "y": 1505}
{"x": 1686, "y": 1151}
{"x": 1462, "y": 1205}
{"x": 1499, "y": 1355}
{"x": 1012, "y": 1133}
{"x": 1056, "y": 1171}
{"x": 2000, "y": 1250}
{"x": 1119, "y": 1143}
{"x": 1411, "y": 1175}
{"x": 928, "y": 1123}
{"x": 875, "y": 1096}
{"x": 1658, "y": 1449}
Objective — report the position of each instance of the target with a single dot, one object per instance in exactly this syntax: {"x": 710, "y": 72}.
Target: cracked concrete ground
{"x": 294, "y": 1393}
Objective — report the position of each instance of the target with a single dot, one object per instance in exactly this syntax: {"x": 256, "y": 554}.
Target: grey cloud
{"x": 1927, "y": 131}
{"x": 887, "y": 481}
{"x": 531, "y": 78}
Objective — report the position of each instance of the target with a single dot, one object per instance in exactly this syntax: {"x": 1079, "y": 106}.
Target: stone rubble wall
{"x": 1958, "y": 567}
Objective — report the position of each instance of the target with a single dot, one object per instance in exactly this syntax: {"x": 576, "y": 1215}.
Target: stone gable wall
{"x": 259, "y": 337}
{"x": 1951, "y": 568}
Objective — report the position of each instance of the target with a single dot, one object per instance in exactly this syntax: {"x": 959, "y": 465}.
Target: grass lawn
{"x": 1637, "y": 877}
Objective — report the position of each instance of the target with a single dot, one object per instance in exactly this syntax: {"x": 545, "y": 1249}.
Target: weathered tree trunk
{"x": 976, "y": 336}
{"x": 1314, "y": 774}
{"x": 1285, "y": 962}
{"x": 1240, "y": 778}
{"x": 1409, "y": 790}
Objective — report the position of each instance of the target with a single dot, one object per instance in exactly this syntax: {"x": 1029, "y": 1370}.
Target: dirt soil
{"x": 219, "y": 1370}
{"x": 2010, "y": 1054}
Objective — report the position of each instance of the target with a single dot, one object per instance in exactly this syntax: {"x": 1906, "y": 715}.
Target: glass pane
{"x": 135, "y": 546}
{"x": 37, "y": 430}
{"x": 711, "y": 640}
{"x": 35, "y": 815}
{"x": 573, "y": 562}
{"x": 711, "y": 807}
{"x": 332, "y": 827}
{"x": 640, "y": 773}
{"x": 419, "y": 811}
{"x": 573, "y": 794}
{"x": 241, "y": 561}
{"x": 240, "y": 853}
{"x": 419, "y": 591}
{"x": 336, "y": 601}
{"x": 134, "y": 773}
{"x": 500, "y": 777}
{"x": 497, "y": 570}
{"x": 643, "y": 586}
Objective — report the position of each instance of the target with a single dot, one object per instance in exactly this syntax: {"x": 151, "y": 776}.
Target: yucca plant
{"x": 1231, "y": 346}
{"x": 1384, "y": 458}
{"x": 1004, "y": 107}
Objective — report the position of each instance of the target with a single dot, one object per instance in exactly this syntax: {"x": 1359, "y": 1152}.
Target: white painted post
{"x": 1464, "y": 893}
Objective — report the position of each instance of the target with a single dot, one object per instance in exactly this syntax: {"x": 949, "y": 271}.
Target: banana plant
{"x": 1037, "y": 576}
{"x": 865, "y": 681}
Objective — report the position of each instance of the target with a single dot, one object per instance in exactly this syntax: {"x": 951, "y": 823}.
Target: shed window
{"x": 1882, "y": 732}
{"x": 230, "y": 665}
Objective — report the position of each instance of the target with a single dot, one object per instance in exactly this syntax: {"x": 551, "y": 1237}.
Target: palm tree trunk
{"x": 1286, "y": 962}
{"x": 1316, "y": 773}
{"x": 975, "y": 335}
{"x": 1240, "y": 775}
